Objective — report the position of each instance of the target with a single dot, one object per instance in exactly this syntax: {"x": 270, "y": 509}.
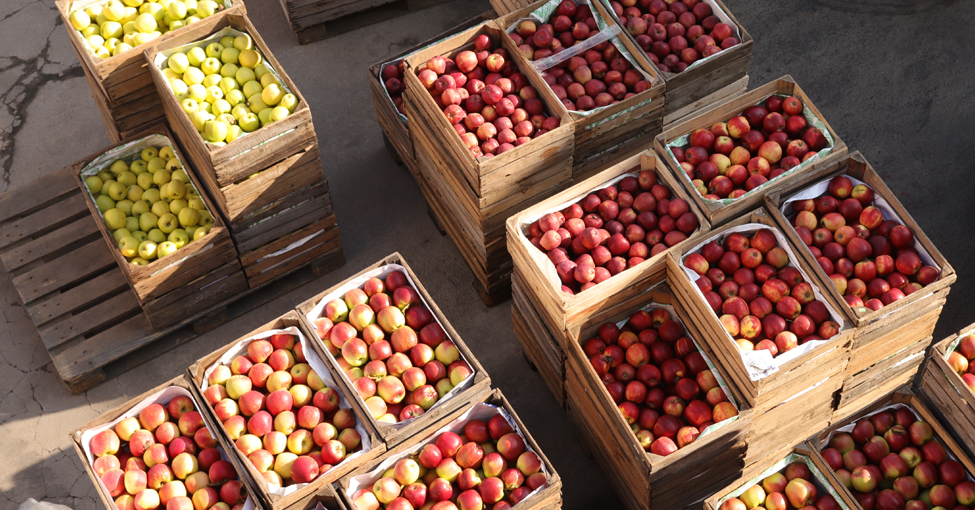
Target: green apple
{"x": 221, "y": 106}
{"x": 114, "y": 219}
{"x": 179, "y": 237}
{"x": 190, "y": 231}
{"x": 155, "y": 235}
{"x": 214, "y": 50}
{"x": 229, "y": 70}
{"x": 227, "y": 119}
{"x": 228, "y": 83}
{"x": 239, "y": 111}
{"x": 249, "y": 122}
{"x": 176, "y": 24}
{"x": 134, "y": 193}
{"x": 147, "y": 250}
{"x": 190, "y": 105}
{"x": 159, "y": 208}
{"x": 191, "y": 19}
{"x": 141, "y": 39}
{"x": 229, "y": 55}
{"x": 176, "y": 10}
{"x": 105, "y": 176}
{"x": 120, "y": 48}
{"x": 131, "y": 223}
{"x": 79, "y": 19}
{"x": 139, "y": 167}
{"x": 140, "y": 207}
{"x": 226, "y": 41}
{"x": 212, "y": 80}
{"x": 205, "y": 107}
{"x": 264, "y": 116}
{"x": 200, "y": 232}
{"x": 125, "y": 206}
{"x": 111, "y": 30}
{"x": 129, "y": 246}
{"x": 94, "y": 184}
{"x": 166, "y": 153}
{"x": 206, "y": 218}
{"x": 104, "y": 203}
{"x": 193, "y": 76}
{"x": 126, "y": 178}
{"x": 178, "y": 86}
{"x": 165, "y": 248}
{"x": 148, "y": 221}
{"x": 177, "y": 205}
{"x": 215, "y": 131}
{"x": 121, "y": 233}
{"x": 117, "y": 191}
{"x": 260, "y": 71}
{"x": 289, "y": 101}
{"x": 144, "y": 180}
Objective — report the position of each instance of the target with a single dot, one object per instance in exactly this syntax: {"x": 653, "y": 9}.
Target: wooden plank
{"x": 82, "y": 228}
{"x": 77, "y": 298}
{"x": 36, "y": 193}
{"x": 64, "y": 270}
{"x": 66, "y": 210}
{"x": 98, "y": 314}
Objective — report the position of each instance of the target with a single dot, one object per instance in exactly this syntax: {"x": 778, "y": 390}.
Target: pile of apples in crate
{"x": 149, "y": 205}
{"x": 165, "y": 458}
{"x": 489, "y": 102}
{"x": 674, "y": 35}
{"x": 389, "y": 345}
{"x": 659, "y": 379}
{"x": 762, "y": 301}
{"x": 871, "y": 261}
{"x": 488, "y": 466}
{"x": 962, "y": 360}
{"x": 732, "y": 158}
{"x": 790, "y": 489}
{"x": 611, "y": 230}
{"x": 599, "y": 77}
{"x": 280, "y": 413}
{"x": 892, "y": 460}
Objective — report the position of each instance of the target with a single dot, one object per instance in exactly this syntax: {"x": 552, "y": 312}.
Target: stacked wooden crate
{"x": 121, "y": 85}
{"x": 791, "y": 400}
{"x": 946, "y": 393}
{"x": 267, "y": 184}
{"x": 888, "y": 345}
{"x": 314, "y": 20}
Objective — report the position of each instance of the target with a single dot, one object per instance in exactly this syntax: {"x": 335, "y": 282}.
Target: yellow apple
{"x": 200, "y": 232}
{"x": 174, "y": 165}
{"x": 176, "y": 206}
{"x": 139, "y": 261}
{"x": 289, "y": 101}
{"x": 249, "y": 122}
{"x": 104, "y": 203}
{"x": 196, "y": 93}
{"x": 166, "y": 153}
{"x": 214, "y": 50}
{"x": 118, "y": 166}
{"x": 124, "y": 205}
{"x": 245, "y": 75}
{"x": 161, "y": 177}
{"x": 179, "y": 237}
{"x": 151, "y": 195}
{"x": 196, "y": 203}
{"x": 234, "y": 97}
{"x": 114, "y": 219}
{"x": 256, "y": 103}
{"x": 144, "y": 180}
{"x": 129, "y": 246}
{"x": 268, "y": 79}
{"x": 264, "y": 116}
{"x": 189, "y": 217}
{"x": 193, "y": 76}
{"x": 249, "y": 58}
{"x": 159, "y": 208}
{"x": 147, "y": 250}
{"x": 176, "y": 10}
{"x": 233, "y": 132}
{"x": 229, "y": 56}
{"x": 155, "y": 164}
{"x": 140, "y": 207}
{"x": 206, "y": 8}
{"x": 243, "y": 42}
{"x": 131, "y": 223}
{"x": 272, "y": 94}
{"x": 94, "y": 184}
{"x": 126, "y": 178}
{"x": 134, "y": 193}
{"x": 196, "y": 56}
{"x": 211, "y": 66}
{"x": 116, "y": 191}
{"x": 168, "y": 223}
{"x": 178, "y": 86}
{"x": 79, "y": 19}
{"x": 114, "y": 11}
{"x": 177, "y": 189}
{"x": 199, "y": 119}
{"x": 178, "y": 62}
{"x": 213, "y": 94}
{"x": 121, "y": 233}
{"x": 165, "y": 248}
{"x": 105, "y": 176}
{"x": 148, "y": 221}
{"x": 139, "y": 167}
{"x": 155, "y": 235}
{"x": 145, "y": 23}
{"x": 215, "y": 131}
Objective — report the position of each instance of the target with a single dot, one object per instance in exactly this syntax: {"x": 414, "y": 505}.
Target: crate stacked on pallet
{"x": 257, "y": 386}
{"x": 121, "y": 85}
{"x": 472, "y": 196}
{"x": 947, "y": 385}
{"x": 889, "y": 342}
{"x": 677, "y": 139}
{"x": 791, "y": 392}
{"x": 696, "y": 443}
{"x": 897, "y": 424}
{"x": 425, "y": 325}
{"x": 115, "y": 443}
{"x": 268, "y": 183}
{"x": 545, "y": 312}
{"x": 314, "y": 20}
{"x": 516, "y": 474}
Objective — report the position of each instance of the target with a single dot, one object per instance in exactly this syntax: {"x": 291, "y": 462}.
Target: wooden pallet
{"x": 314, "y": 20}
{"x": 943, "y": 390}
{"x": 541, "y": 349}
{"x": 69, "y": 281}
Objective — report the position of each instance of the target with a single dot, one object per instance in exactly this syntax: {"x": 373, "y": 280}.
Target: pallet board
{"x": 69, "y": 282}
{"x": 314, "y": 20}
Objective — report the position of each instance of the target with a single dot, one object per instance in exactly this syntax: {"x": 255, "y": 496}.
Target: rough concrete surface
{"x": 887, "y": 74}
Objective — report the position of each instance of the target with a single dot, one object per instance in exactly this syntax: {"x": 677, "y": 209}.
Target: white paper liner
{"x": 717, "y": 375}
{"x": 316, "y": 363}
{"x": 849, "y": 428}
{"x": 761, "y": 364}
{"x": 163, "y": 56}
{"x": 715, "y": 10}
{"x": 356, "y": 283}
{"x": 163, "y": 397}
{"x": 819, "y": 479}
{"x": 478, "y": 411}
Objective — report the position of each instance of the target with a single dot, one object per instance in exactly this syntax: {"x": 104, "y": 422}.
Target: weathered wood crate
{"x": 222, "y": 166}
{"x": 327, "y": 497}
{"x": 314, "y": 20}
{"x": 273, "y": 497}
{"x": 895, "y": 327}
{"x": 644, "y": 480}
{"x": 716, "y": 211}
{"x": 394, "y": 125}
{"x": 562, "y": 311}
{"x": 704, "y": 78}
{"x": 465, "y": 393}
{"x": 881, "y": 378}
{"x": 485, "y": 406}
{"x": 606, "y": 134}
{"x": 162, "y": 394}
{"x": 187, "y": 271}
{"x": 121, "y": 85}
{"x": 801, "y": 453}
{"x": 797, "y": 389}
{"x": 541, "y": 350}
{"x": 946, "y": 395}
{"x": 902, "y": 397}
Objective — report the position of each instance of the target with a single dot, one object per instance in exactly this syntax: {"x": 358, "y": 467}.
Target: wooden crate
{"x": 605, "y": 133}
{"x": 162, "y": 394}
{"x": 127, "y": 119}
{"x": 717, "y": 213}
{"x": 509, "y": 177}
{"x": 894, "y": 327}
{"x": 540, "y": 348}
{"x": 326, "y": 496}
{"x": 284, "y": 254}
{"x": 562, "y": 311}
{"x": 162, "y": 276}
{"x": 272, "y": 497}
{"x": 727, "y": 93}
{"x": 124, "y": 76}
{"x": 391, "y": 434}
{"x": 799, "y": 453}
{"x": 865, "y": 387}
{"x": 485, "y": 406}
{"x": 901, "y": 397}
{"x": 814, "y": 374}
{"x": 946, "y": 395}
{"x": 705, "y": 78}
{"x": 266, "y": 146}
{"x": 314, "y": 20}
{"x": 644, "y": 480}
{"x": 394, "y": 125}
